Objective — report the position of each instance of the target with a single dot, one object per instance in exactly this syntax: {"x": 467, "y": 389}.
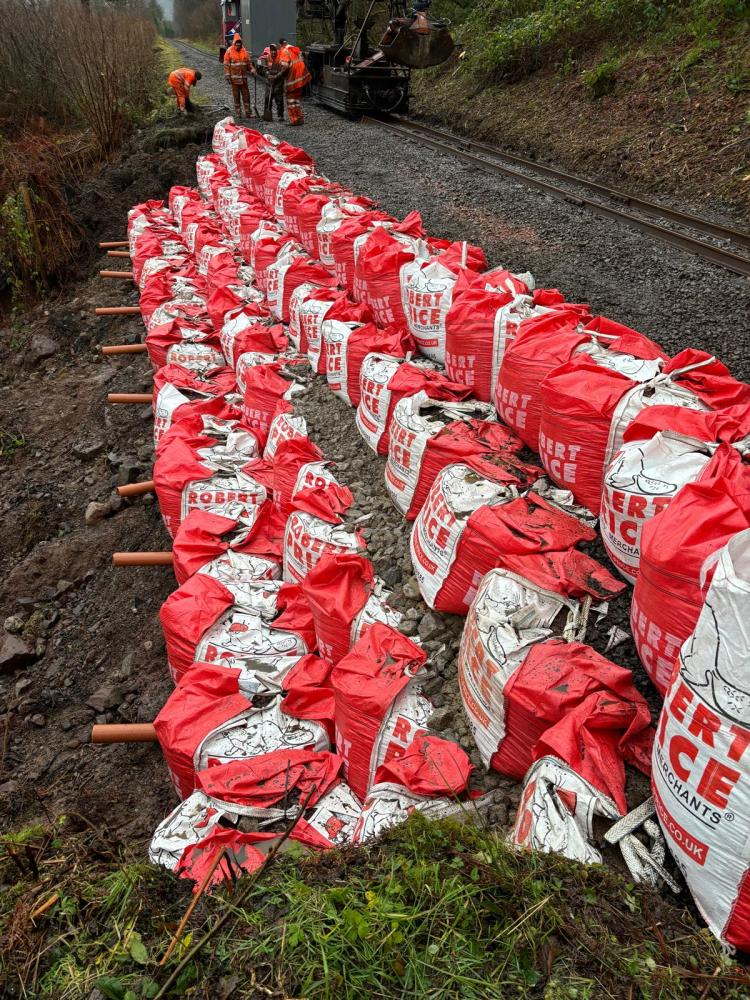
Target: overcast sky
{"x": 166, "y": 6}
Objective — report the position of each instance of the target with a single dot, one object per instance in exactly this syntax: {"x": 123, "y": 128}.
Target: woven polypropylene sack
{"x": 308, "y": 538}
{"x": 346, "y": 347}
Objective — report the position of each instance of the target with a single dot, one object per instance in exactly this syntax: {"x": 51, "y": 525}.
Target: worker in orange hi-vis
{"x": 297, "y": 78}
{"x": 181, "y": 80}
{"x": 237, "y": 66}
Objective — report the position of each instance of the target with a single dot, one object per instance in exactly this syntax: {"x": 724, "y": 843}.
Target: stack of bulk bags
{"x": 179, "y": 392}
{"x": 379, "y": 258}
{"x": 249, "y": 328}
{"x": 429, "y": 777}
{"x": 700, "y": 762}
{"x": 384, "y": 380}
{"x": 213, "y": 477}
{"x": 426, "y": 434}
{"x": 428, "y": 287}
{"x": 345, "y": 598}
{"x": 207, "y": 720}
{"x": 588, "y": 402}
{"x": 475, "y": 519}
{"x": 309, "y": 309}
{"x": 269, "y": 389}
{"x": 527, "y": 695}
{"x": 229, "y": 543}
{"x": 185, "y": 337}
{"x": 347, "y": 344}
{"x": 288, "y": 272}
{"x": 261, "y": 627}
{"x": 379, "y": 705}
{"x": 664, "y": 448}
{"x": 673, "y": 572}
{"x": 481, "y": 323}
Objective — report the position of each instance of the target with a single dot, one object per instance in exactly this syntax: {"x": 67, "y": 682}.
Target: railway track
{"x": 721, "y": 245}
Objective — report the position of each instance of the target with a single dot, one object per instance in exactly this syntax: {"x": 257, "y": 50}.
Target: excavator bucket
{"x": 416, "y": 42}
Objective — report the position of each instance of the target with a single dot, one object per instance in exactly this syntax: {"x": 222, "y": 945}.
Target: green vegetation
{"x": 439, "y": 911}
{"x": 170, "y": 59}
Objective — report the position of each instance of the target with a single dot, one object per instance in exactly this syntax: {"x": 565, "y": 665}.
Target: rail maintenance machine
{"x": 351, "y": 75}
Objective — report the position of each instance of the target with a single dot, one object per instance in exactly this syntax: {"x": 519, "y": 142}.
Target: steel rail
{"x": 491, "y": 159}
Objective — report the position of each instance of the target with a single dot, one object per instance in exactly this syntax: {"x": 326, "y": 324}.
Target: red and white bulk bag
{"x": 333, "y": 215}
{"x": 348, "y": 344}
{"x": 345, "y": 598}
{"x": 288, "y": 272}
{"x": 278, "y": 178}
{"x": 700, "y": 775}
{"x": 479, "y": 326}
{"x": 284, "y": 427}
{"x": 291, "y": 196}
{"x": 208, "y": 721}
{"x": 182, "y": 332}
{"x": 223, "y": 130}
{"x": 232, "y": 625}
{"x": 309, "y": 537}
{"x": 669, "y": 589}
{"x": 542, "y": 343}
{"x": 290, "y": 456}
{"x": 226, "y": 546}
{"x": 237, "y": 290}
{"x": 425, "y": 435}
{"x": 580, "y": 431}
{"x": 471, "y": 523}
{"x": 527, "y": 695}
{"x": 266, "y": 244}
{"x": 179, "y": 392}
{"x": 427, "y": 288}
{"x": 307, "y": 313}
{"x": 188, "y": 823}
{"x": 335, "y": 816}
{"x": 663, "y": 449}
{"x": 379, "y": 707}
{"x": 213, "y": 478}
{"x": 308, "y": 693}
{"x": 169, "y": 292}
{"x": 205, "y": 168}
{"x": 429, "y": 777}
{"x": 346, "y": 241}
{"x": 384, "y": 380}
{"x": 315, "y": 491}
{"x": 250, "y": 328}
{"x": 269, "y": 389}
{"x": 379, "y": 259}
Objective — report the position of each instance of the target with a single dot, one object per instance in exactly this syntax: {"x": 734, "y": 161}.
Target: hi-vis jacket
{"x": 236, "y": 63}
{"x": 297, "y": 76}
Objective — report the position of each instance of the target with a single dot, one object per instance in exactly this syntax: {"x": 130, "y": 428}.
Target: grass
{"x": 169, "y": 60}
{"x": 436, "y": 911}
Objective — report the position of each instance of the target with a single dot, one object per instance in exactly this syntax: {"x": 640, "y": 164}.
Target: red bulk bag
{"x": 171, "y": 290}
{"x": 289, "y": 272}
{"x": 309, "y": 537}
{"x": 181, "y": 329}
{"x": 342, "y": 241}
{"x": 581, "y": 430}
{"x": 268, "y": 391}
{"x": 379, "y": 709}
{"x": 675, "y": 546}
{"x": 473, "y": 522}
{"x": 334, "y": 214}
{"x": 346, "y": 347}
{"x": 427, "y": 434}
{"x": 179, "y": 393}
{"x": 235, "y": 292}
{"x": 248, "y": 328}
{"x": 290, "y": 457}
{"x": 284, "y": 427}
{"x": 307, "y": 314}
{"x": 277, "y": 177}
{"x": 384, "y": 381}
{"x": 231, "y": 626}
{"x": 479, "y": 327}
{"x": 379, "y": 259}
{"x": 204, "y": 538}
{"x": 664, "y": 448}
{"x": 205, "y": 168}
{"x": 429, "y": 766}
{"x": 292, "y": 196}
{"x": 209, "y": 479}
{"x": 308, "y": 693}
{"x": 427, "y": 290}
{"x": 266, "y": 244}
{"x": 345, "y": 599}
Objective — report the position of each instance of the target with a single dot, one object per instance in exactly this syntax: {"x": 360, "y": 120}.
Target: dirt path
{"x": 90, "y": 644}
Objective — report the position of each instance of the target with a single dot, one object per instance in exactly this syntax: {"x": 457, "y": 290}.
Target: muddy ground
{"x": 82, "y": 641}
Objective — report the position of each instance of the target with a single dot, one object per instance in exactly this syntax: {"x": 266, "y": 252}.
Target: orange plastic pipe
{"x": 114, "y": 243}
{"x": 124, "y": 349}
{"x": 136, "y": 489}
{"x": 117, "y": 310}
{"x": 118, "y": 253}
{"x": 128, "y": 397}
{"x": 116, "y": 274}
{"x": 142, "y": 558}
{"x": 124, "y": 732}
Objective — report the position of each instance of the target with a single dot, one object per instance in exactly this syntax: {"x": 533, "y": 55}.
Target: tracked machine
{"x": 353, "y": 76}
